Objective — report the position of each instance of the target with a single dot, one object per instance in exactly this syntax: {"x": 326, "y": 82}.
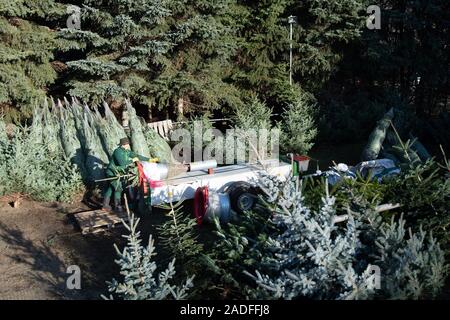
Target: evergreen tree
{"x": 159, "y": 53}
{"x": 299, "y": 252}
{"x": 179, "y": 237}
{"x": 261, "y": 62}
{"x": 204, "y": 37}
{"x": 26, "y": 51}
{"x": 138, "y": 270}
{"x": 297, "y": 126}
{"x": 312, "y": 256}
{"x": 118, "y": 51}
{"x": 324, "y": 28}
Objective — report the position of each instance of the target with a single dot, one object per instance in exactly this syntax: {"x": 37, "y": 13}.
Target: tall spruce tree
{"x": 118, "y": 50}
{"x": 204, "y": 37}
{"x": 324, "y": 28}
{"x": 159, "y": 53}
{"x": 27, "y": 44}
{"x": 261, "y": 62}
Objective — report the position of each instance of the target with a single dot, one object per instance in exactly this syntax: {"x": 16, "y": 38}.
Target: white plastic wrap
{"x": 155, "y": 171}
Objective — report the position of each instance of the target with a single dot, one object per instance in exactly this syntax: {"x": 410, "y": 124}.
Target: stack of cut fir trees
{"x": 68, "y": 139}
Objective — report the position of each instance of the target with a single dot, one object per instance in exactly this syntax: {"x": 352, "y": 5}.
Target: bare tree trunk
{"x": 180, "y": 106}
{"x": 149, "y": 112}
{"x": 125, "y": 118}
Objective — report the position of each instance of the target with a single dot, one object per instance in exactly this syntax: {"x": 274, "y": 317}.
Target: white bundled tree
{"x": 315, "y": 256}
{"x": 140, "y": 281}
{"x": 96, "y": 157}
{"x": 51, "y": 127}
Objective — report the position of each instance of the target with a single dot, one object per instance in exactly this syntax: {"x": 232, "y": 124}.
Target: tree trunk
{"x": 180, "y": 107}
{"x": 125, "y": 118}
{"x": 149, "y": 113}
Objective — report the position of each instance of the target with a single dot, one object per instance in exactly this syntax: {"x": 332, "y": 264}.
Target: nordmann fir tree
{"x": 179, "y": 237}
{"x": 290, "y": 250}
{"x": 204, "y": 34}
{"x": 321, "y": 30}
{"x": 324, "y": 28}
{"x": 261, "y": 61}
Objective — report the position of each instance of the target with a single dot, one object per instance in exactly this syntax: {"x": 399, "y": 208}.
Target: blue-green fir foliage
{"x": 140, "y": 280}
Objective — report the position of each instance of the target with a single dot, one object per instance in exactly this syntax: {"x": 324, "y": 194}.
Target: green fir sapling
{"x": 297, "y": 127}
{"x": 179, "y": 236}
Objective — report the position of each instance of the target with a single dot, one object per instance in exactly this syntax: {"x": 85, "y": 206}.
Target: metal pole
{"x": 291, "y": 20}
{"x": 290, "y": 52}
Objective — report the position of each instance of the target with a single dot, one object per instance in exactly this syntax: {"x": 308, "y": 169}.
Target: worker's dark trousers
{"x": 114, "y": 186}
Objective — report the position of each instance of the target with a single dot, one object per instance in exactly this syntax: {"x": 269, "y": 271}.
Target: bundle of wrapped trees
{"x": 88, "y": 137}
{"x": 386, "y": 142}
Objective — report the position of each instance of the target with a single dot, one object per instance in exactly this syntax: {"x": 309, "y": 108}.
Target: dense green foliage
{"x": 30, "y": 167}
{"x": 158, "y": 53}
{"x": 172, "y": 57}
{"x": 27, "y": 49}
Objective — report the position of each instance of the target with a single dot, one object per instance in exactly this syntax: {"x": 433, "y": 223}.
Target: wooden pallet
{"x": 98, "y": 220}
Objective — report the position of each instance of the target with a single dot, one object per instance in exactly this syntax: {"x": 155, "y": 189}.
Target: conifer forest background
{"x": 356, "y": 93}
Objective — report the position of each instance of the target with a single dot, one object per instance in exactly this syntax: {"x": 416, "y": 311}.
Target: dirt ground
{"x": 38, "y": 241}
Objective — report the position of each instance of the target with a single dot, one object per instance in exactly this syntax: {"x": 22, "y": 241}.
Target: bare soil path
{"x": 37, "y": 244}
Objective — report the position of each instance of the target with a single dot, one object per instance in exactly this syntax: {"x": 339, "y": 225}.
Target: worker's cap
{"x": 124, "y": 141}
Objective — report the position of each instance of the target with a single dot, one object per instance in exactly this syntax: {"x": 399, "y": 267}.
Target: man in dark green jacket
{"x": 121, "y": 160}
